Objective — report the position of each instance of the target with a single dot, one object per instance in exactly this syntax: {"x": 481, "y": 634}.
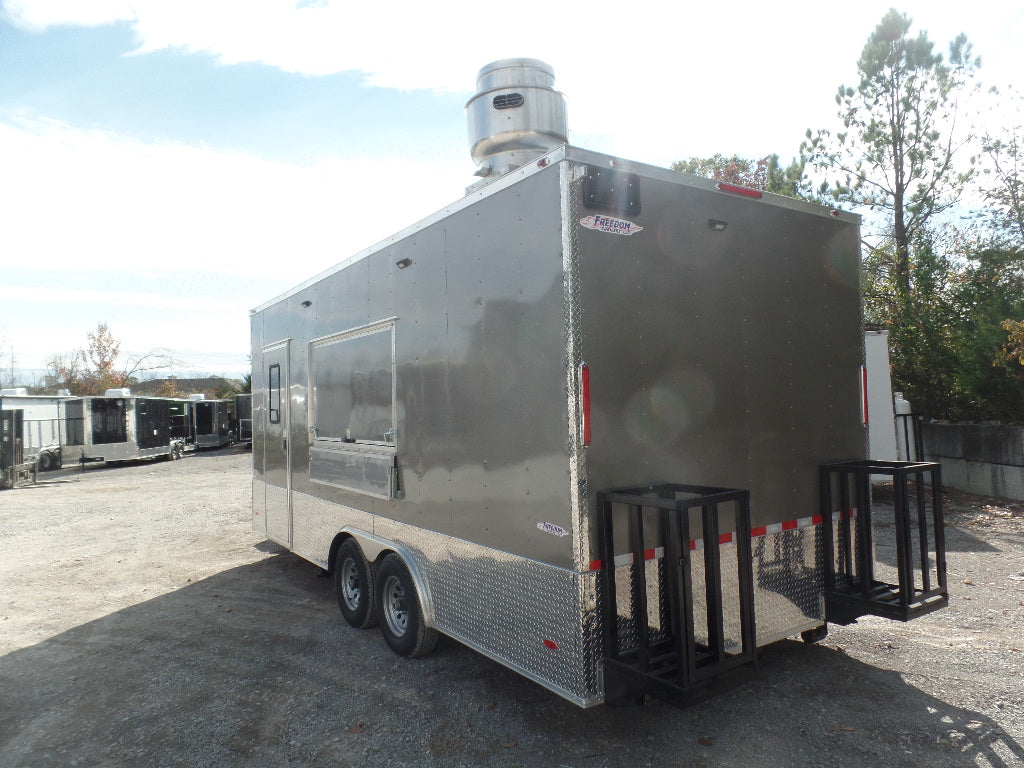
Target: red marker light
{"x": 585, "y": 401}
{"x": 864, "y": 394}
{"x": 736, "y": 190}
{"x": 551, "y": 645}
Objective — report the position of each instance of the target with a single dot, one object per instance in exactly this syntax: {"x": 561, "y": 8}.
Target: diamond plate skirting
{"x": 539, "y": 620}
{"x": 543, "y": 621}
{"x": 789, "y": 582}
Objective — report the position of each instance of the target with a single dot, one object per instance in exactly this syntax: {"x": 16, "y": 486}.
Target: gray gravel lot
{"x": 143, "y": 623}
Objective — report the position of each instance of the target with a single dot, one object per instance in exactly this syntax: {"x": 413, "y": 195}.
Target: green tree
{"x": 1013, "y": 348}
{"x": 950, "y": 352}
{"x": 989, "y": 289}
{"x": 1003, "y": 175}
{"x": 896, "y": 151}
{"x": 919, "y": 325}
{"x": 100, "y": 357}
{"x": 766, "y": 174}
{"x": 7, "y": 363}
{"x": 169, "y": 388}
{"x": 225, "y": 389}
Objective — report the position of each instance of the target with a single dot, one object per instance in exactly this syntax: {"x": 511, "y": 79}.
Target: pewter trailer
{"x": 587, "y": 421}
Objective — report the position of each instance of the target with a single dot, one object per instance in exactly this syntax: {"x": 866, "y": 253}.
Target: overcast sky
{"x": 167, "y": 166}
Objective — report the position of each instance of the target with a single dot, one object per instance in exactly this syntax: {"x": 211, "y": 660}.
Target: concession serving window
{"x": 352, "y": 414}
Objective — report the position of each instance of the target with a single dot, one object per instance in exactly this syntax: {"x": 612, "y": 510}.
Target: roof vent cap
{"x": 515, "y": 117}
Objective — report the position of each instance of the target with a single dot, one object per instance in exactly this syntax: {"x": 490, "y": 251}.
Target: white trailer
{"x": 880, "y": 415}
{"x": 598, "y": 420}
{"x": 42, "y": 425}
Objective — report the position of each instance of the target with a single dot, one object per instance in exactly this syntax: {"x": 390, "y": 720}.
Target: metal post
{"x": 713, "y": 581}
{"x": 638, "y": 586}
{"x": 825, "y": 492}
{"x": 746, "y": 575}
{"x": 609, "y": 609}
{"x": 865, "y": 560}
{"x": 904, "y": 556}
{"x": 922, "y": 531}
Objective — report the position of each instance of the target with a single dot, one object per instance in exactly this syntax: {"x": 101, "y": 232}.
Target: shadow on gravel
{"x": 253, "y": 667}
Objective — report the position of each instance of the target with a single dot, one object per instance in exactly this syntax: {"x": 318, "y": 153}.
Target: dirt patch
{"x": 143, "y": 623}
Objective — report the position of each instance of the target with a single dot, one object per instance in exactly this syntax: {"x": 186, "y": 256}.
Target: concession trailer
{"x": 601, "y": 421}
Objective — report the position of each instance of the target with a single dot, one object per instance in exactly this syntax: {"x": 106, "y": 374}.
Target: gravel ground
{"x": 143, "y": 623}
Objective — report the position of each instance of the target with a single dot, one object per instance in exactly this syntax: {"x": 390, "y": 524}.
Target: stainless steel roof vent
{"x": 515, "y": 117}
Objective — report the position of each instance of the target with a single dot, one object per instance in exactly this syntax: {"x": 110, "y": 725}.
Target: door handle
{"x": 284, "y": 443}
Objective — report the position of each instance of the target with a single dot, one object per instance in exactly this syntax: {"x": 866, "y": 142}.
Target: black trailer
{"x": 243, "y": 419}
{"x": 212, "y": 422}
{"x": 119, "y": 427}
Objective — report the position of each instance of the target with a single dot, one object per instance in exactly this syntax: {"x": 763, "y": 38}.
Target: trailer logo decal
{"x": 611, "y": 225}
{"x": 554, "y": 530}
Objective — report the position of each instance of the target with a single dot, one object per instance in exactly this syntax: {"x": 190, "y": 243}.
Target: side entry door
{"x": 277, "y": 449}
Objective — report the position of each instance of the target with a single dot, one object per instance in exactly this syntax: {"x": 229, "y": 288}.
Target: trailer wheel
{"x": 400, "y": 614}
{"x": 355, "y": 579}
{"x": 45, "y": 461}
{"x": 816, "y": 635}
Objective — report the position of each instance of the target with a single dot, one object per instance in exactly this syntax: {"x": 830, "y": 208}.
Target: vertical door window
{"x": 274, "y": 385}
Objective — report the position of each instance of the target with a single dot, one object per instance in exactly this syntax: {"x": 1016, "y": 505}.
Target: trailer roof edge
{"x": 564, "y": 152}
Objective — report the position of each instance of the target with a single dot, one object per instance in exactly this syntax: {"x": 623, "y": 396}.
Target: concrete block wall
{"x": 978, "y": 458}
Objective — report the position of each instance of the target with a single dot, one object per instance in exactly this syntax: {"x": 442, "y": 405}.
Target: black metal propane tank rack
{"x": 860, "y": 552}
{"x": 664, "y": 634}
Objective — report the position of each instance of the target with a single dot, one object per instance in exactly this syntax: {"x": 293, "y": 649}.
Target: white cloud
{"x": 42, "y": 296}
{"x": 182, "y": 240}
{"x": 651, "y": 81}
{"x": 38, "y": 16}
{"x": 94, "y": 200}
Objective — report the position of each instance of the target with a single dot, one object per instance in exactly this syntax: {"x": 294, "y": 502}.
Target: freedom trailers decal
{"x": 610, "y": 225}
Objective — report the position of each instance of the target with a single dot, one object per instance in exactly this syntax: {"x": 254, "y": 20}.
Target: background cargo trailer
{"x": 212, "y": 421}
{"x": 42, "y": 425}
{"x": 119, "y": 427}
{"x": 15, "y": 466}
{"x": 578, "y": 420}
{"x": 242, "y": 418}
{"x": 183, "y": 425}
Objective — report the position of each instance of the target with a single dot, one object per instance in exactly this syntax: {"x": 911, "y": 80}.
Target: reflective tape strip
{"x": 728, "y": 538}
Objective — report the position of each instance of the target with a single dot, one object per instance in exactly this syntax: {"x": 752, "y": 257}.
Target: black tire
{"x": 355, "y": 580}
{"x": 399, "y": 612}
{"x": 45, "y": 461}
{"x": 58, "y": 460}
{"x": 816, "y": 635}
